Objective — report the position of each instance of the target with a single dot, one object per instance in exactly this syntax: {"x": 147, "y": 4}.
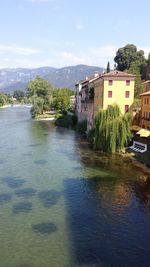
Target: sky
{"x": 59, "y": 33}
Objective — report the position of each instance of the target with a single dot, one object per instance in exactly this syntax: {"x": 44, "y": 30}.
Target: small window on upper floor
{"x": 127, "y": 82}
{"x": 127, "y": 94}
{"x": 110, "y": 82}
{"x": 109, "y": 93}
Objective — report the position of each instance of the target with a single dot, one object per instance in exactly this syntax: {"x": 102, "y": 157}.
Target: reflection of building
{"x": 143, "y": 190}
{"x": 115, "y": 198}
{"x": 102, "y": 90}
{"x": 145, "y": 110}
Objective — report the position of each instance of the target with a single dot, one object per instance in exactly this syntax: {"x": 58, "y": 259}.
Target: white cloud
{"x": 79, "y": 26}
{"x": 18, "y": 50}
{"x": 26, "y": 57}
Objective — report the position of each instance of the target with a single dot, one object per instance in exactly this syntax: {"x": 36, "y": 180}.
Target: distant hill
{"x": 13, "y": 79}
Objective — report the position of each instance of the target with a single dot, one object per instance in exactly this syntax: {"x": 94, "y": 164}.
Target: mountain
{"x": 14, "y": 79}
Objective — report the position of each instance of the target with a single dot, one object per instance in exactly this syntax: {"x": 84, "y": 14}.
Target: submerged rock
{"x": 13, "y": 182}
{"x": 22, "y": 207}
{"x": 25, "y": 192}
{"x": 49, "y": 198}
{"x": 5, "y": 197}
{"x": 44, "y": 228}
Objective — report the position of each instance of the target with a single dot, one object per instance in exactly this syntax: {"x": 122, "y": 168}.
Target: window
{"x": 109, "y": 93}
{"x": 145, "y": 100}
{"x": 127, "y": 94}
{"x": 127, "y": 82}
{"x": 110, "y": 82}
{"x": 126, "y": 108}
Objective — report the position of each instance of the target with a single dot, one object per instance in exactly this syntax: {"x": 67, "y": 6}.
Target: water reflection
{"x": 142, "y": 189}
{"x": 102, "y": 224}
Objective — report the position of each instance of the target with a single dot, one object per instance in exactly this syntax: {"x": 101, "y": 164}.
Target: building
{"x": 145, "y": 110}
{"x": 102, "y": 90}
{"x": 147, "y": 85}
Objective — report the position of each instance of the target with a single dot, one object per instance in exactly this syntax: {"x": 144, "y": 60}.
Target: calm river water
{"x": 62, "y": 205}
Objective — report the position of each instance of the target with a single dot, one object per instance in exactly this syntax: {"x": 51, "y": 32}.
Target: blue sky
{"x": 60, "y": 33}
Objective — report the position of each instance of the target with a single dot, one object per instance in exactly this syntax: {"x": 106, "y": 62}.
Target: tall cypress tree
{"x": 108, "y": 67}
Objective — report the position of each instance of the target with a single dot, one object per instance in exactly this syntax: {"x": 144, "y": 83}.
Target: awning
{"x": 143, "y": 133}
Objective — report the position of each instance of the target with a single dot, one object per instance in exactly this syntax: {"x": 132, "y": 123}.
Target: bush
{"x": 66, "y": 121}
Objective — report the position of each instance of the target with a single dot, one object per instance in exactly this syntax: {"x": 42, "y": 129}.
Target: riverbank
{"x": 16, "y": 105}
{"x": 44, "y": 117}
{"x": 6, "y": 106}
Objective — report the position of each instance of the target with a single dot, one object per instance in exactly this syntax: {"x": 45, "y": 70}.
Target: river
{"x": 63, "y": 205}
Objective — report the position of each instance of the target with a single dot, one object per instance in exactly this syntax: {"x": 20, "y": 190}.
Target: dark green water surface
{"x": 63, "y": 205}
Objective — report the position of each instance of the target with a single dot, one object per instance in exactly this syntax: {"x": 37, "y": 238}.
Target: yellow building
{"x": 145, "y": 110}
{"x": 102, "y": 90}
{"x": 111, "y": 88}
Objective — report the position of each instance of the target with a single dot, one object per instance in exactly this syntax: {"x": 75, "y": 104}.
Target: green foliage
{"x": 128, "y": 55}
{"x": 82, "y": 127}
{"x": 19, "y": 94}
{"x": 139, "y": 88}
{"x": 91, "y": 135}
{"x": 61, "y": 99}
{"x": 39, "y": 87}
{"x": 67, "y": 121}
{"x": 112, "y": 130}
{"x": 40, "y": 93}
{"x": 37, "y": 107}
{"x": 5, "y": 99}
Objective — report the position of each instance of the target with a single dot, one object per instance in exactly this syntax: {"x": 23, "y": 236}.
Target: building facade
{"x": 102, "y": 90}
{"x": 145, "y": 110}
{"x": 147, "y": 85}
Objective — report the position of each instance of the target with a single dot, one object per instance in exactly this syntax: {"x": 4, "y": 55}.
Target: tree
{"x": 19, "y": 94}
{"x": 39, "y": 87}
{"x": 40, "y": 91}
{"x": 108, "y": 67}
{"x": 128, "y": 55}
{"x": 3, "y": 99}
{"x": 139, "y": 87}
{"x": 112, "y": 130}
{"x": 61, "y": 99}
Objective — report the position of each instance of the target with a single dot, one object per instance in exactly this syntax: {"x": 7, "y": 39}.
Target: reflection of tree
{"x": 142, "y": 189}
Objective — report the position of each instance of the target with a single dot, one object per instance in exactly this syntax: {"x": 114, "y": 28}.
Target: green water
{"x": 78, "y": 208}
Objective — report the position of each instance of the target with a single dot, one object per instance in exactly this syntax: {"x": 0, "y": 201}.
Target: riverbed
{"x": 64, "y": 205}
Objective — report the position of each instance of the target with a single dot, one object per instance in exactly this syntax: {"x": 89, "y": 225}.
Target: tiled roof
{"x": 116, "y": 73}
{"x": 145, "y": 93}
{"x": 148, "y": 81}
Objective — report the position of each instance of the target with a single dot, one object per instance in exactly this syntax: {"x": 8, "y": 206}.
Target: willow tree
{"x": 112, "y": 130}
